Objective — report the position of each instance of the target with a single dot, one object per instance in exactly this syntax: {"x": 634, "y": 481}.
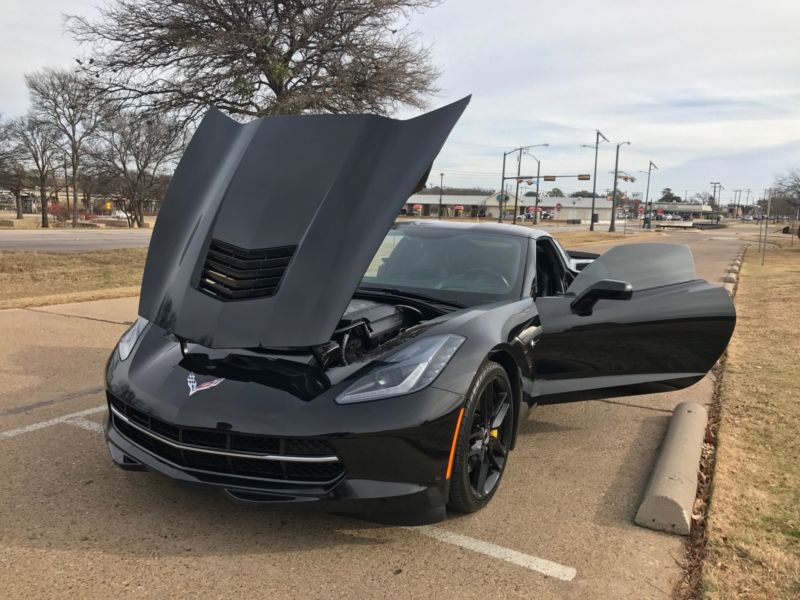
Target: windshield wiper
{"x": 414, "y": 295}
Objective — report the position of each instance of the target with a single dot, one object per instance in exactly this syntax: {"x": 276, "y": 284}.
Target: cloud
{"x": 709, "y": 91}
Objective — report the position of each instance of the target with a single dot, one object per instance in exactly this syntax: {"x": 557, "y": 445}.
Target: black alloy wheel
{"x": 484, "y": 440}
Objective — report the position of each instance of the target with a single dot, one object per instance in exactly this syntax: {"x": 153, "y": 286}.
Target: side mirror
{"x": 605, "y": 289}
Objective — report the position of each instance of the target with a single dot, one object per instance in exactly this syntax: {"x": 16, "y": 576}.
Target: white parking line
{"x": 85, "y": 423}
{"x": 540, "y": 565}
{"x": 50, "y": 422}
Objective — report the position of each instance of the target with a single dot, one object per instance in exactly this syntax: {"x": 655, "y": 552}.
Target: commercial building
{"x": 427, "y": 205}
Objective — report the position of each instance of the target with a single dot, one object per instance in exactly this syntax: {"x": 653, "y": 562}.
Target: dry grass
{"x": 39, "y": 278}
{"x": 27, "y": 222}
{"x": 754, "y": 518}
{"x": 569, "y": 239}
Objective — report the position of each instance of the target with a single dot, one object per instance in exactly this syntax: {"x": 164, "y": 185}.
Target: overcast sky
{"x": 708, "y": 90}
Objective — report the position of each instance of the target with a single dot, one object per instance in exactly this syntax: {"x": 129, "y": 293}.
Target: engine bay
{"x": 365, "y": 326}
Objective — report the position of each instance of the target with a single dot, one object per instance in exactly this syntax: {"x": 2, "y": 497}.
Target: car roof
{"x": 497, "y": 228}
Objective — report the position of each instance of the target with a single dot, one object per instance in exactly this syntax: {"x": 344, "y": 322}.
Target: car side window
{"x": 550, "y": 269}
{"x": 644, "y": 266}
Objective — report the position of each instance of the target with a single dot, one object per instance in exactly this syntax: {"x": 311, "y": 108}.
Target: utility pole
{"x": 715, "y": 185}
{"x": 612, "y": 227}
{"x": 516, "y": 192}
{"x": 441, "y": 187}
{"x": 502, "y": 185}
{"x": 648, "y": 212}
{"x": 594, "y": 180}
{"x": 735, "y": 192}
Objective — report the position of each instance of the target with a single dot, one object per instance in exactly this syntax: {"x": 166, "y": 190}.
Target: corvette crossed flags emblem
{"x": 191, "y": 381}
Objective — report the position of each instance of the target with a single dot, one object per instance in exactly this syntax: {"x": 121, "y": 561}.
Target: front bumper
{"x": 391, "y": 476}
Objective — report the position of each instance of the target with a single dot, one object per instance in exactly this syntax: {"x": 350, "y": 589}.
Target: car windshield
{"x": 460, "y": 266}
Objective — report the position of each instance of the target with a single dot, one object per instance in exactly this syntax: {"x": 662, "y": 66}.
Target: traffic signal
{"x": 584, "y": 177}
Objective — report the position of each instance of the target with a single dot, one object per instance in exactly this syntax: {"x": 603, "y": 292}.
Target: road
{"x": 82, "y": 240}
{"x": 75, "y": 526}
{"x": 73, "y": 240}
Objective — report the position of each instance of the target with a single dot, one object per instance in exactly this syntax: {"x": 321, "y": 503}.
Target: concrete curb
{"x": 669, "y": 498}
{"x": 670, "y": 494}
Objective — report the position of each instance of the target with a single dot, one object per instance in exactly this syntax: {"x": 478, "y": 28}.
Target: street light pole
{"x": 441, "y": 184}
{"x": 594, "y": 180}
{"x": 503, "y": 177}
{"x": 612, "y": 227}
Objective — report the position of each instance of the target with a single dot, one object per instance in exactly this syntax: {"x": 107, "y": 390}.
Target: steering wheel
{"x": 482, "y": 273}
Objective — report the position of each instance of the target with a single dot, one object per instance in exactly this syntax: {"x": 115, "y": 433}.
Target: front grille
{"x": 228, "y": 447}
{"x": 234, "y": 273}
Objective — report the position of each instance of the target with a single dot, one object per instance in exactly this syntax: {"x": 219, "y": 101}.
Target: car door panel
{"x": 669, "y": 334}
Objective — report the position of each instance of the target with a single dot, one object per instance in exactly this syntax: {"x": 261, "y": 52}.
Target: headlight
{"x": 128, "y": 339}
{"x": 408, "y": 370}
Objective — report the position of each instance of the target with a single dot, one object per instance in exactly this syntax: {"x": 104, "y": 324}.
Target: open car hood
{"x": 267, "y": 227}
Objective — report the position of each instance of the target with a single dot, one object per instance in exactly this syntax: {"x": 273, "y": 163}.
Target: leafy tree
{"x": 668, "y": 196}
{"x": 555, "y": 193}
{"x": 259, "y": 57}
{"x": 582, "y": 194}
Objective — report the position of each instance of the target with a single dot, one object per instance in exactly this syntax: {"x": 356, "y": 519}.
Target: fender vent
{"x": 233, "y": 273}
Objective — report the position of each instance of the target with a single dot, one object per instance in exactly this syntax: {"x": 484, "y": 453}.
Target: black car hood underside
{"x": 321, "y": 191}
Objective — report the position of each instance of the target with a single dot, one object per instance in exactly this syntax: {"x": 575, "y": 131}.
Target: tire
{"x": 480, "y": 443}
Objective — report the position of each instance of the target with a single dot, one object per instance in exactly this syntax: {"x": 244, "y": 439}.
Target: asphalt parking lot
{"x": 561, "y": 524}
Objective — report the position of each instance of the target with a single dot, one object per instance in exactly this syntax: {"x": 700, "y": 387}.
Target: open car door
{"x": 636, "y": 315}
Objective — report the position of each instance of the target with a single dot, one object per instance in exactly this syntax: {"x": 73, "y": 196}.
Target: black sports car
{"x": 290, "y": 350}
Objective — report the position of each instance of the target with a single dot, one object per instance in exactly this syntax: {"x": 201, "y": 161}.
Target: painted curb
{"x": 730, "y": 288}
{"x": 733, "y": 269}
{"x": 668, "y": 500}
{"x": 730, "y": 278}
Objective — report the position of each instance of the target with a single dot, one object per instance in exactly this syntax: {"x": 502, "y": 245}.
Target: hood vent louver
{"x": 233, "y": 273}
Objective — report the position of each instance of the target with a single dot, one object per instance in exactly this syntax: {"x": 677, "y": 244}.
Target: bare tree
{"x": 13, "y": 174}
{"x": 38, "y": 139}
{"x": 15, "y": 177}
{"x": 259, "y": 57}
{"x": 789, "y": 187}
{"x": 135, "y": 150}
{"x": 75, "y": 109}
